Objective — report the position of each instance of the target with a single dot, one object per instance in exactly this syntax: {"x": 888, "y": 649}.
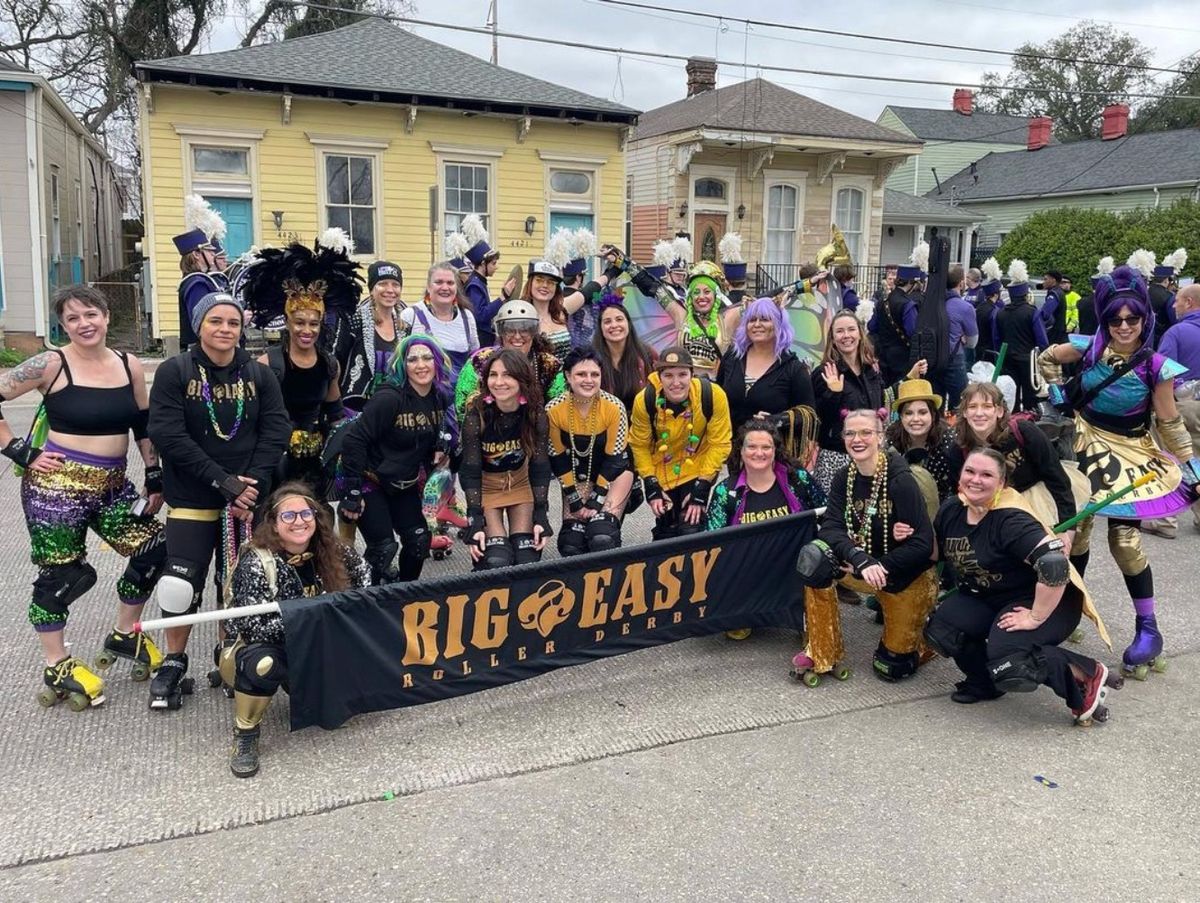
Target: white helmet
{"x": 516, "y": 314}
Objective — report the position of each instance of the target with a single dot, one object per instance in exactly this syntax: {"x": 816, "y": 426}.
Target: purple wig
{"x": 1123, "y": 287}
{"x": 398, "y": 373}
{"x": 764, "y": 309}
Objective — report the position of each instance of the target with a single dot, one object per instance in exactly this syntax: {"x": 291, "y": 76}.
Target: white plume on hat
{"x": 730, "y": 248}
{"x": 472, "y": 229}
{"x": 455, "y": 245}
{"x": 864, "y": 311}
{"x": 335, "y": 239}
{"x": 1018, "y": 271}
{"x": 920, "y": 257}
{"x": 199, "y": 214}
{"x": 1176, "y": 260}
{"x": 1143, "y": 261}
{"x": 991, "y": 270}
{"x": 664, "y": 253}
{"x": 1105, "y": 266}
{"x": 982, "y": 373}
{"x": 558, "y": 248}
{"x": 583, "y": 244}
{"x": 682, "y": 248}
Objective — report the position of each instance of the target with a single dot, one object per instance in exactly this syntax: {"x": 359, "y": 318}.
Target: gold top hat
{"x": 917, "y": 390}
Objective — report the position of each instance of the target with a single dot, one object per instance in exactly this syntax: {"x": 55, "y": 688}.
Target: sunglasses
{"x": 1131, "y": 320}
{"x": 305, "y": 514}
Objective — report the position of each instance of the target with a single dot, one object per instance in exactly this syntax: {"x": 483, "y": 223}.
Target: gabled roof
{"x": 761, "y": 106}
{"x": 949, "y": 125}
{"x": 898, "y": 206}
{"x": 1153, "y": 158}
{"x": 7, "y": 65}
{"x": 372, "y": 57}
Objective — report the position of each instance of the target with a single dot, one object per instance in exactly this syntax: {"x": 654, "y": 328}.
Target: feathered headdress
{"x": 730, "y": 248}
{"x": 199, "y": 214}
{"x": 558, "y": 248}
{"x": 920, "y": 257}
{"x": 681, "y": 247}
{"x": 583, "y": 244}
{"x": 1172, "y": 263}
{"x": 1105, "y": 266}
{"x": 1143, "y": 261}
{"x": 322, "y": 278}
{"x": 991, "y": 270}
{"x": 473, "y": 230}
{"x": 664, "y": 253}
{"x": 454, "y": 245}
{"x": 1018, "y": 272}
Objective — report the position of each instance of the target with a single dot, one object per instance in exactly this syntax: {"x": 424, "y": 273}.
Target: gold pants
{"x": 904, "y": 616}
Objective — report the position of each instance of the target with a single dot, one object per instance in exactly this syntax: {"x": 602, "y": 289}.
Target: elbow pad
{"x": 1050, "y": 563}
{"x": 1050, "y": 368}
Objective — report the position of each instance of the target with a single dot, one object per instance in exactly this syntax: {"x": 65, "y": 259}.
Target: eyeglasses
{"x": 859, "y": 434}
{"x": 1131, "y": 320}
{"x": 305, "y": 514}
{"x": 425, "y": 358}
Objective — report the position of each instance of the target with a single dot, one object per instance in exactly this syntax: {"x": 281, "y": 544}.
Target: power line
{"x": 868, "y": 37}
{"x": 734, "y": 64}
{"x": 1030, "y": 12}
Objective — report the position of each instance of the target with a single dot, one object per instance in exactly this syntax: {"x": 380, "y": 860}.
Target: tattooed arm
{"x": 38, "y": 372}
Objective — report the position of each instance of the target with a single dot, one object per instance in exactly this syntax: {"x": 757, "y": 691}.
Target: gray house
{"x": 60, "y": 205}
{"x": 908, "y": 219}
{"x": 1120, "y": 173}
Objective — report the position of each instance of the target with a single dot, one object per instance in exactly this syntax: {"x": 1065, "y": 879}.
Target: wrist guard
{"x": 574, "y": 500}
{"x": 154, "y": 479}
{"x": 860, "y": 561}
{"x": 596, "y": 502}
{"x": 475, "y": 524}
{"x": 700, "y": 491}
{"x": 230, "y": 487}
{"x": 1051, "y": 369}
{"x": 541, "y": 518}
{"x": 21, "y": 452}
{"x": 1175, "y": 438}
{"x": 652, "y": 489}
{"x": 645, "y": 283}
{"x": 352, "y": 502}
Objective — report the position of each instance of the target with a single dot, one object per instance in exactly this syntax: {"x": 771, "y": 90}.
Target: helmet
{"x": 516, "y": 314}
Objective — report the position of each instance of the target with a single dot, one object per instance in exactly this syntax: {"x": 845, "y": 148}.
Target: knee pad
{"x": 225, "y": 658}
{"x": 415, "y": 542}
{"x": 176, "y": 594}
{"x": 603, "y": 533}
{"x": 1125, "y": 543}
{"x": 944, "y": 638}
{"x": 58, "y": 585}
{"x": 817, "y": 566}
{"x": 1021, "y": 672}
{"x": 497, "y": 553}
{"x": 380, "y": 557}
{"x": 689, "y": 529}
{"x": 145, "y": 565}
{"x": 522, "y": 549}
{"x": 663, "y": 531}
{"x": 572, "y": 539}
{"x": 893, "y": 666}
{"x": 259, "y": 669}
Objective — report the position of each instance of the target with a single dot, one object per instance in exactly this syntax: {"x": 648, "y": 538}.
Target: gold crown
{"x": 298, "y": 296}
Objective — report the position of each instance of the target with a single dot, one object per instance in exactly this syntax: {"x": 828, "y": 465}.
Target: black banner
{"x": 406, "y": 644}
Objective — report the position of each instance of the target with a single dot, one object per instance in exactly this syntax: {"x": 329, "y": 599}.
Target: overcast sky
{"x": 1169, "y": 27}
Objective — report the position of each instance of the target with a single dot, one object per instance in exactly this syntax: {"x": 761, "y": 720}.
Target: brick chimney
{"x": 964, "y": 101}
{"x": 1116, "y": 121}
{"x": 1039, "y": 132}
{"x": 701, "y": 74}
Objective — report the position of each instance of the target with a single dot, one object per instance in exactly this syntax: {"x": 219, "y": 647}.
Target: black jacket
{"x": 396, "y": 435}
{"x": 905, "y": 560}
{"x": 786, "y": 384}
{"x": 862, "y": 391}
{"x": 1015, "y": 326}
{"x": 195, "y": 459}
{"x": 1161, "y": 299}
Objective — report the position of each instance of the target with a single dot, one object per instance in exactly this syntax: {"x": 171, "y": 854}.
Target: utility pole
{"x": 493, "y": 22}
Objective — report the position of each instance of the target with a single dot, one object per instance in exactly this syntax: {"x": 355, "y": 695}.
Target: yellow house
{"x": 391, "y": 136}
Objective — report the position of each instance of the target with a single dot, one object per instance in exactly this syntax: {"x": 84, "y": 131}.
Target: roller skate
{"x": 1145, "y": 652}
{"x": 215, "y": 677}
{"x": 72, "y": 680}
{"x": 441, "y": 545}
{"x": 243, "y": 759}
{"x": 1095, "y": 691}
{"x": 802, "y": 670}
{"x": 137, "y": 647}
{"x": 170, "y": 682}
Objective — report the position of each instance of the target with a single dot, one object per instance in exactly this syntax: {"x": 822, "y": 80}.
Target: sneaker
{"x": 243, "y": 759}
{"x": 965, "y": 694}
{"x": 1094, "y": 690}
{"x": 1160, "y": 527}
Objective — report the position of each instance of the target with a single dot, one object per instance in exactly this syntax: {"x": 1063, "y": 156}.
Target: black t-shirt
{"x": 990, "y": 558}
{"x": 762, "y": 506}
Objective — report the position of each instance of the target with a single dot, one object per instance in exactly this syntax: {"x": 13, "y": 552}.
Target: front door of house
{"x": 238, "y": 215}
{"x": 710, "y": 229}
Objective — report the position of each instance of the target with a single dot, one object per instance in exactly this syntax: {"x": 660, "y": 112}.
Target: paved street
{"x": 689, "y": 771}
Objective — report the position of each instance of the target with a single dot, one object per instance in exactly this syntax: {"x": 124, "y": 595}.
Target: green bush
{"x": 1073, "y": 240}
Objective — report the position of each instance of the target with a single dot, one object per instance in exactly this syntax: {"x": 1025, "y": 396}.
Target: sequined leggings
{"x": 87, "y": 492}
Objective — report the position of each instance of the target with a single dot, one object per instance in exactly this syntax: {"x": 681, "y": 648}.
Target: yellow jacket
{"x": 716, "y": 437}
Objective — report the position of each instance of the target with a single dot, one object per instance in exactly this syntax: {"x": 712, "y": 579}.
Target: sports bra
{"x": 92, "y": 410}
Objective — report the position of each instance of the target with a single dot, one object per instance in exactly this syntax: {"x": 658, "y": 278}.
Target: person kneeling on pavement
{"x": 875, "y": 537}
{"x": 293, "y": 553}
{"x": 1018, "y": 597}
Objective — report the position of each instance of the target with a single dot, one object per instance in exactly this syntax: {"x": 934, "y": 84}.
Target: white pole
{"x": 224, "y": 614}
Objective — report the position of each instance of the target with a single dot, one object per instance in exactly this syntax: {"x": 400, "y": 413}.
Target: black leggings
{"x": 387, "y": 514}
{"x": 671, "y": 523}
{"x": 984, "y": 643}
{"x": 191, "y": 545}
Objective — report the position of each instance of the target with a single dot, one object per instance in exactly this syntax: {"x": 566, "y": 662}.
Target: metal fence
{"x": 128, "y": 327}
{"x": 771, "y": 277}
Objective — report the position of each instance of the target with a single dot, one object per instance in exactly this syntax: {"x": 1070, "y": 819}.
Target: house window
{"x": 781, "y": 224}
{"x": 55, "y": 217}
{"x": 225, "y": 161}
{"x": 350, "y": 198}
{"x": 566, "y": 181}
{"x": 710, "y": 189}
{"x": 466, "y": 192}
{"x": 849, "y": 218}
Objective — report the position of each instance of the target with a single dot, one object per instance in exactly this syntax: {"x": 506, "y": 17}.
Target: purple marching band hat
{"x": 478, "y": 249}
{"x": 205, "y": 227}
{"x": 732, "y": 262}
